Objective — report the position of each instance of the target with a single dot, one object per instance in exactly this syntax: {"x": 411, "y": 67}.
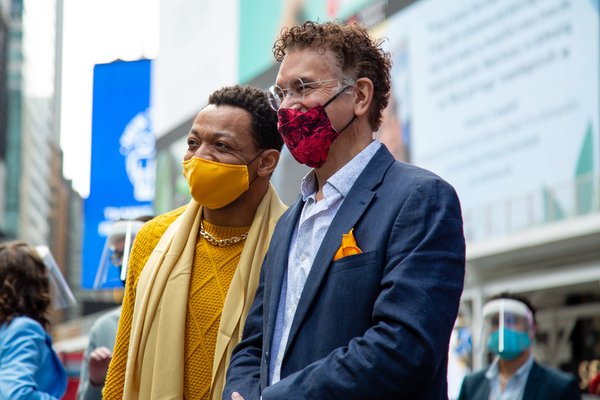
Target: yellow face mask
{"x": 215, "y": 185}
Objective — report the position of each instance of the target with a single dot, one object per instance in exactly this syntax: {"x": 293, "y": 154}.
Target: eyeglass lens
{"x": 295, "y": 90}
{"x": 116, "y": 258}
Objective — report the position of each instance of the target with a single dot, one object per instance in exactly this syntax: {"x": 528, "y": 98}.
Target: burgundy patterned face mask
{"x": 308, "y": 134}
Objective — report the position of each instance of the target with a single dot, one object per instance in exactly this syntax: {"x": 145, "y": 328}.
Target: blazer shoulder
{"x": 22, "y": 330}
{"x": 23, "y": 324}
{"x": 476, "y": 377}
{"x": 412, "y": 173}
{"x": 473, "y": 385}
{"x": 409, "y": 180}
{"x": 556, "y": 377}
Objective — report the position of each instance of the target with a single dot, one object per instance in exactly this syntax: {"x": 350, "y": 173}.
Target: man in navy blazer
{"x": 361, "y": 285}
{"x": 514, "y": 374}
{"x": 543, "y": 383}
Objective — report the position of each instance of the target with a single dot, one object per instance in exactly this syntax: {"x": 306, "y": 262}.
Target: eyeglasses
{"x": 296, "y": 90}
{"x": 511, "y": 321}
{"x": 117, "y": 258}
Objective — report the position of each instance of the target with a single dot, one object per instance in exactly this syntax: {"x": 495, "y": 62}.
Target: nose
{"x": 203, "y": 152}
{"x": 289, "y": 103}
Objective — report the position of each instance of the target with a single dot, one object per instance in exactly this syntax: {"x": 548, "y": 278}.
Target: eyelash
{"x": 221, "y": 145}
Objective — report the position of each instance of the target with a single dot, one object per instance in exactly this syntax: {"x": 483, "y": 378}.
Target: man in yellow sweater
{"x": 193, "y": 272}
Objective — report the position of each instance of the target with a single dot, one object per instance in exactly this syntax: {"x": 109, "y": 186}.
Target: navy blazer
{"x": 373, "y": 325}
{"x": 543, "y": 383}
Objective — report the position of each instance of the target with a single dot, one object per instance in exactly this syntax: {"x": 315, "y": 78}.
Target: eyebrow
{"x": 305, "y": 79}
{"x": 217, "y": 135}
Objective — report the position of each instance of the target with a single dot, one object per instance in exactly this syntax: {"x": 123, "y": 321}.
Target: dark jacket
{"x": 374, "y": 325}
{"x": 543, "y": 383}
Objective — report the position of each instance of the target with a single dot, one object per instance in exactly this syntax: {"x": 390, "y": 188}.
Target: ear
{"x": 363, "y": 96}
{"x": 268, "y": 162}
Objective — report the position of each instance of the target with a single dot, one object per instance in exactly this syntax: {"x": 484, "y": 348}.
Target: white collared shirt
{"x": 308, "y": 235}
{"x": 515, "y": 388}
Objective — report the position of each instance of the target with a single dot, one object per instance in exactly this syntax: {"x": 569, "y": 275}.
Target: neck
{"x": 241, "y": 211}
{"x": 508, "y": 367}
{"x": 347, "y": 146}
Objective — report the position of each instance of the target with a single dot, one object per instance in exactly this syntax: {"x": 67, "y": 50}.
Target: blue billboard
{"x": 123, "y": 155}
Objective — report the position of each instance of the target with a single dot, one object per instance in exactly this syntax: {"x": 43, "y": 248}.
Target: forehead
{"x": 509, "y": 318}
{"x": 311, "y": 63}
{"x": 224, "y": 119}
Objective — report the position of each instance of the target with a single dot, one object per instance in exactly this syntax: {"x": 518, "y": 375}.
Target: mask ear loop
{"x": 260, "y": 154}
{"x": 335, "y": 97}
{"x": 351, "y": 121}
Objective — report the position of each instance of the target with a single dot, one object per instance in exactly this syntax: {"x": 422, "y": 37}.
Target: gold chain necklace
{"x": 221, "y": 242}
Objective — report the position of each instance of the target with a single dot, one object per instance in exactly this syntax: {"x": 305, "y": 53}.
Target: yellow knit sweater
{"x": 210, "y": 279}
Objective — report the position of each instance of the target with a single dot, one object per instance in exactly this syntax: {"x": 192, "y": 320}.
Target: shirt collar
{"x": 344, "y": 178}
{"x": 493, "y": 370}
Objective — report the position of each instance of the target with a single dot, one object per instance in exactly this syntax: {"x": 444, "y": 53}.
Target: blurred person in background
{"x": 509, "y": 332}
{"x": 193, "y": 272}
{"x": 29, "y": 367}
{"x": 103, "y": 333}
{"x": 361, "y": 286}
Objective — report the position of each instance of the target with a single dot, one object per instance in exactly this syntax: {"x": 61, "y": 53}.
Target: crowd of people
{"x": 350, "y": 293}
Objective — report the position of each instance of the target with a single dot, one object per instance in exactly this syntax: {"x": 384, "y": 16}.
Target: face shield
{"x": 112, "y": 270}
{"x": 508, "y": 327}
{"x": 60, "y": 291}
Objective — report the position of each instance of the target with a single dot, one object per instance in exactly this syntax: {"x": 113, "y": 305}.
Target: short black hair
{"x": 255, "y": 101}
{"x": 519, "y": 297}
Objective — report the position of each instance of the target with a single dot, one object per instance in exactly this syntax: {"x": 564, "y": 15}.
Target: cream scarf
{"x": 156, "y": 347}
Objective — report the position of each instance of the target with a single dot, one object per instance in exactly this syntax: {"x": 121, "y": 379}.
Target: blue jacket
{"x": 374, "y": 325}
{"x": 543, "y": 383}
{"x": 29, "y": 367}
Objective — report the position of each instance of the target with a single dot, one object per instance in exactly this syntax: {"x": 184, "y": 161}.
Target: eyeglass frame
{"x": 116, "y": 258}
{"x": 512, "y": 321}
{"x": 286, "y": 92}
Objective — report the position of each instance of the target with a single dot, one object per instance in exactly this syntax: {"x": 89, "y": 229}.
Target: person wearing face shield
{"x": 30, "y": 282}
{"x": 509, "y": 333}
{"x": 113, "y": 263}
{"x": 193, "y": 272}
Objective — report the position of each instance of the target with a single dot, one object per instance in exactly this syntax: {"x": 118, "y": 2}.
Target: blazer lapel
{"x": 279, "y": 265}
{"x": 351, "y": 210}
{"x": 481, "y": 389}
{"x": 533, "y": 386}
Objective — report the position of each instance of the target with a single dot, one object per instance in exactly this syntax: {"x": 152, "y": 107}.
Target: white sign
{"x": 504, "y": 94}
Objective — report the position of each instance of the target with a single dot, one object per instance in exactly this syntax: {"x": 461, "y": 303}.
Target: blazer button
{"x": 266, "y": 357}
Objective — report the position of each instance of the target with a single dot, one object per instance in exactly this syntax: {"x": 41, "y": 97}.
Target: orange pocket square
{"x": 348, "y": 247}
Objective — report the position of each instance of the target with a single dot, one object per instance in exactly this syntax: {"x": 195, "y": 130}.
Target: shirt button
{"x": 280, "y": 358}
{"x": 310, "y": 208}
{"x": 302, "y": 257}
{"x": 293, "y": 307}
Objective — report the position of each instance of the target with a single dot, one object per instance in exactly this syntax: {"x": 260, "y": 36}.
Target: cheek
{"x": 337, "y": 115}
{"x": 225, "y": 158}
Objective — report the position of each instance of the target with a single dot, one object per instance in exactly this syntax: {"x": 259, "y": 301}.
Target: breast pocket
{"x": 348, "y": 295}
{"x": 353, "y": 261}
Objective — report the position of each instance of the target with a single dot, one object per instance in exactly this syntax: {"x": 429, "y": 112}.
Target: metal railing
{"x": 578, "y": 197}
